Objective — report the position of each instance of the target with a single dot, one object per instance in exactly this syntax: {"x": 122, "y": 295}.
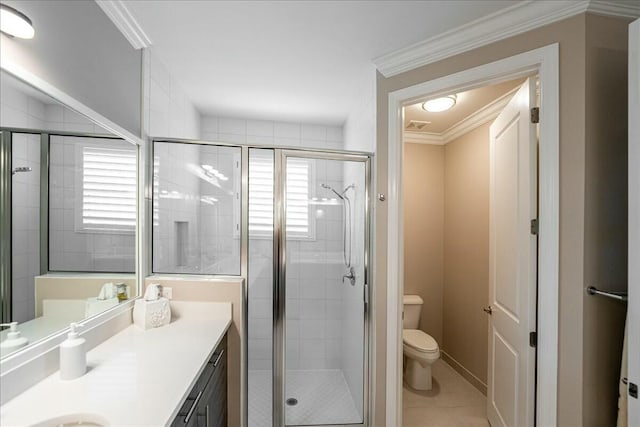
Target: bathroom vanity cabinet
{"x": 206, "y": 403}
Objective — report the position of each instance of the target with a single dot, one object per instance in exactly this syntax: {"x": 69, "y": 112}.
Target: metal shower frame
{"x": 280, "y": 153}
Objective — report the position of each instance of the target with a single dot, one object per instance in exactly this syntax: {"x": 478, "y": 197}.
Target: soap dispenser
{"x": 13, "y": 341}
{"x": 73, "y": 355}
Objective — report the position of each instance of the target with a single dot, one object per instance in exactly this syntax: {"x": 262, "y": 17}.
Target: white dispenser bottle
{"x": 13, "y": 341}
{"x": 73, "y": 355}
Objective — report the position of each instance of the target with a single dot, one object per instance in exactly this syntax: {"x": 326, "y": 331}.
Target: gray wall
{"x": 78, "y": 49}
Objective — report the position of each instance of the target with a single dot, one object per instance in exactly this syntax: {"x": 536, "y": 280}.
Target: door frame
{"x": 543, "y": 61}
{"x": 633, "y": 313}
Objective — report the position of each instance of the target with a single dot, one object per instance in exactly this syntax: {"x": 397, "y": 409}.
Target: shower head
{"x": 21, "y": 169}
{"x": 341, "y": 195}
{"x": 323, "y": 185}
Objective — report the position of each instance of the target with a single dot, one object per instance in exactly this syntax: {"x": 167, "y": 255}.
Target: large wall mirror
{"x": 68, "y": 198}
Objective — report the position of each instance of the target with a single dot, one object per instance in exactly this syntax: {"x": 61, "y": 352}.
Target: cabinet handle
{"x": 193, "y": 407}
{"x": 215, "y": 364}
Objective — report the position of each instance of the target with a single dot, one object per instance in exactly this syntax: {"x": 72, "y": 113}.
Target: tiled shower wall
{"x": 314, "y": 266}
{"x": 353, "y": 344}
{"x": 25, "y": 225}
{"x": 206, "y": 208}
{"x": 72, "y": 247}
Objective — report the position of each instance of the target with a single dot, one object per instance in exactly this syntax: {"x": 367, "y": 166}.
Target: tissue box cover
{"x": 151, "y": 314}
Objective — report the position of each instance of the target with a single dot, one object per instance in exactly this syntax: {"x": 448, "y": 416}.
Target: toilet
{"x": 419, "y": 348}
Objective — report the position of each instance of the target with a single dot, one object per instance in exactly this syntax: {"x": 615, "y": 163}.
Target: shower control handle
{"x": 351, "y": 276}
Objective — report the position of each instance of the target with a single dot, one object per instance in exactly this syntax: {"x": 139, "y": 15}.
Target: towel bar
{"x": 620, "y": 296}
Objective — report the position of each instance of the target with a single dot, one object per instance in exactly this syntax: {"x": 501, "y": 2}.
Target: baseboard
{"x": 466, "y": 374}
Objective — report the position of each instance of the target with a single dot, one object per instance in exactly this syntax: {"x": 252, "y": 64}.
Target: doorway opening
{"x": 544, "y": 63}
{"x": 458, "y": 172}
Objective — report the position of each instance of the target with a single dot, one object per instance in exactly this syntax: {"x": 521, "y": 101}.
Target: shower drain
{"x": 292, "y": 401}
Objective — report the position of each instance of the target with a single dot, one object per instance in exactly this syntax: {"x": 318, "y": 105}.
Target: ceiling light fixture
{"x": 439, "y": 104}
{"x": 15, "y": 23}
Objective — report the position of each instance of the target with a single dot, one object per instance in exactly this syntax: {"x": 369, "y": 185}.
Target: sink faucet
{"x": 351, "y": 276}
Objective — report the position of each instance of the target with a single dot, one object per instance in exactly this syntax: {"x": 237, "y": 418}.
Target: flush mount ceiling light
{"x": 439, "y": 104}
{"x": 15, "y": 23}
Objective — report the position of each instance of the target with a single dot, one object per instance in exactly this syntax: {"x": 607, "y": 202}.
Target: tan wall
{"x": 53, "y": 286}
{"x": 605, "y": 216}
{"x": 466, "y": 251}
{"x": 570, "y": 35}
{"x": 218, "y": 291}
{"x": 424, "y": 232}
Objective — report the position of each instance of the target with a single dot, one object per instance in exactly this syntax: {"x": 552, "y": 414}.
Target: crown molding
{"x": 508, "y": 22}
{"x": 466, "y": 125}
{"x": 625, "y": 9}
{"x": 117, "y": 11}
{"x": 429, "y": 138}
{"x": 478, "y": 117}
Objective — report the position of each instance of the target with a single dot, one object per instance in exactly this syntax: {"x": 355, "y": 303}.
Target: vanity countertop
{"x": 136, "y": 377}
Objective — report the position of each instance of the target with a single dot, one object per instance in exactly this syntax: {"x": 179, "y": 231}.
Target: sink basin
{"x": 74, "y": 420}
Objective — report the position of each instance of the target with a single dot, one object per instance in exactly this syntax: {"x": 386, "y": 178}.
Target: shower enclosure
{"x": 295, "y": 225}
{"x": 307, "y": 297}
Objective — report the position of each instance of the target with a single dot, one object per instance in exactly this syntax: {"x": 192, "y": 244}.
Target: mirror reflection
{"x": 68, "y": 197}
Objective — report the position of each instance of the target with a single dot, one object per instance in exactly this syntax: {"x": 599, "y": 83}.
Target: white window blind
{"x": 108, "y": 189}
{"x": 261, "y": 181}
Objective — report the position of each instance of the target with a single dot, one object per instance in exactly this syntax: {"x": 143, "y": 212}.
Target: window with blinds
{"x": 261, "y": 179}
{"x": 108, "y": 189}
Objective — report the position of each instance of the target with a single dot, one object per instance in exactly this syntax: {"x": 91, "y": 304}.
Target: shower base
{"x": 323, "y": 398}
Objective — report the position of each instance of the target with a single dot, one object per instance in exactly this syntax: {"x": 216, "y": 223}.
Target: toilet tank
{"x": 412, "y": 308}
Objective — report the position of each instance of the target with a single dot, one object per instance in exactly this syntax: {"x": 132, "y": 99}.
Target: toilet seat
{"x": 419, "y": 341}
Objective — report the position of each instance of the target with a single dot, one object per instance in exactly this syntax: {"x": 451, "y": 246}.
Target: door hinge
{"x": 534, "y": 227}
{"x": 366, "y": 294}
{"x": 533, "y": 339}
{"x": 633, "y": 390}
{"x": 535, "y": 115}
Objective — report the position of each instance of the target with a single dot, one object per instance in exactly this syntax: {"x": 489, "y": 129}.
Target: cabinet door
{"x": 212, "y": 411}
{"x": 206, "y": 405}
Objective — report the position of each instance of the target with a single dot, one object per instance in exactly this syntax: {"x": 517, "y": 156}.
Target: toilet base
{"x": 417, "y": 376}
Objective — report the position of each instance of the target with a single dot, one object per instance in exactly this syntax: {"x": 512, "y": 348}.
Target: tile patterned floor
{"x": 452, "y": 402}
{"x": 323, "y": 398}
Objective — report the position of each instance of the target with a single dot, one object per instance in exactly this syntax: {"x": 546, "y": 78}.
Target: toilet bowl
{"x": 419, "y": 348}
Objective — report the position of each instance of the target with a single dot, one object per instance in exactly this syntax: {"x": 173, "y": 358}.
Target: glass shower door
{"x": 323, "y": 282}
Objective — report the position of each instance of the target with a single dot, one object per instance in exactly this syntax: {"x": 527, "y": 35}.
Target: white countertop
{"x": 136, "y": 377}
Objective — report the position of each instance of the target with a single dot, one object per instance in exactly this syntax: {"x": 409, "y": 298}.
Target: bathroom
{"x": 217, "y": 221}
{"x": 446, "y": 272}
{"x": 214, "y": 185}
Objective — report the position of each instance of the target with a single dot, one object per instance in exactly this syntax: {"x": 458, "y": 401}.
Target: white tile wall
{"x": 351, "y": 297}
{"x": 169, "y": 113}
{"x": 72, "y": 249}
{"x": 213, "y": 242}
{"x": 314, "y": 270}
{"x": 269, "y": 133}
{"x": 17, "y": 109}
{"x": 20, "y": 110}
{"x": 25, "y": 227}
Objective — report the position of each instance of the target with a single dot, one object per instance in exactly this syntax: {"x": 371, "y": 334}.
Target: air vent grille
{"x": 417, "y": 125}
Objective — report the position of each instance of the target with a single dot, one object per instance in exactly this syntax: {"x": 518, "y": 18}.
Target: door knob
{"x": 487, "y": 309}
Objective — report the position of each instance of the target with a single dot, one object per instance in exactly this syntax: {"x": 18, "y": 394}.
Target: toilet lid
{"x": 419, "y": 340}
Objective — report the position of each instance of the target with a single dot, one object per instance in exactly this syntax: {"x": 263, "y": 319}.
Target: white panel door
{"x": 633, "y": 319}
{"x": 513, "y": 258}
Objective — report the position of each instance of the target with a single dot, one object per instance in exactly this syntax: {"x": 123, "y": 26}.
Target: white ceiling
{"x": 284, "y": 60}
